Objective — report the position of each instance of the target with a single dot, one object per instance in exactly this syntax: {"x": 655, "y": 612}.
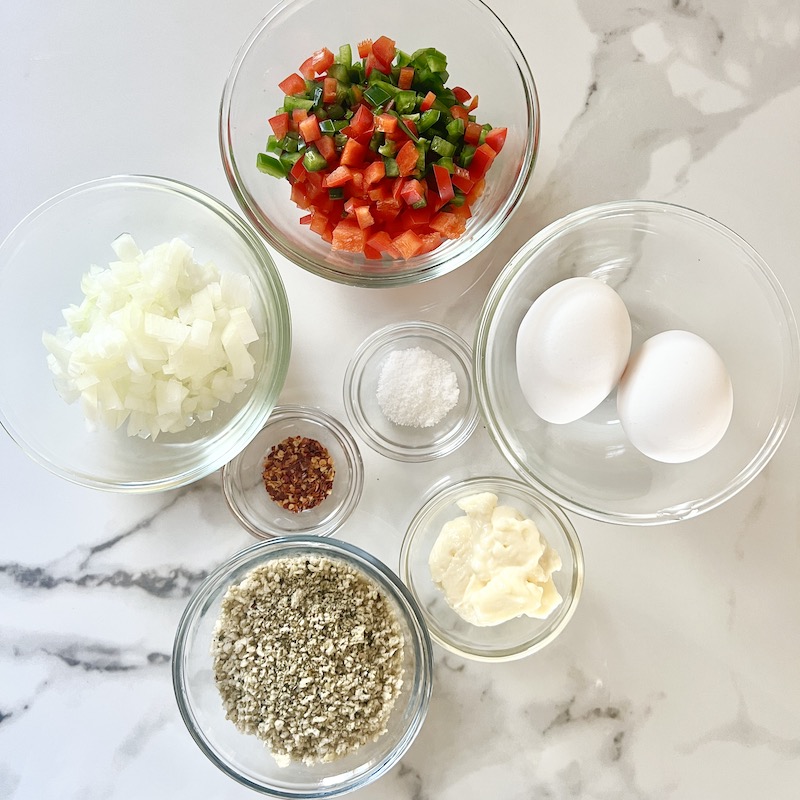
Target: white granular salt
{"x": 416, "y": 388}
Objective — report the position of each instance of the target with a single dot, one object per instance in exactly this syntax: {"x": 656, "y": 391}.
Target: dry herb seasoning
{"x": 298, "y": 473}
{"x": 308, "y": 657}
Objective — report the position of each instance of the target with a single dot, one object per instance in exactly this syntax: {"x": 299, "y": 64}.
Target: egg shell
{"x": 572, "y": 346}
{"x": 675, "y": 398}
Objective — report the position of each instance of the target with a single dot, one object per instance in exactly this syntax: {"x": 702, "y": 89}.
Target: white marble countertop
{"x": 677, "y": 677}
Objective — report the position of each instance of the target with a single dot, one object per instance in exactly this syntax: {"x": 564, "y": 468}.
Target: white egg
{"x": 572, "y": 347}
{"x": 675, "y": 398}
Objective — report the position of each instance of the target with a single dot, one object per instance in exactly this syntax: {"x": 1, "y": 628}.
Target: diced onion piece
{"x": 158, "y": 341}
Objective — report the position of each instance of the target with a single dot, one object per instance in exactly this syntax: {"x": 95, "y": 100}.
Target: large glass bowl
{"x": 482, "y": 57}
{"x": 243, "y": 757}
{"x": 675, "y": 269}
{"x": 41, "y": 265}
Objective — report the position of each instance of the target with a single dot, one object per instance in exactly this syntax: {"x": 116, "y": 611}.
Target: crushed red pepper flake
{"x": 298, "y": 473}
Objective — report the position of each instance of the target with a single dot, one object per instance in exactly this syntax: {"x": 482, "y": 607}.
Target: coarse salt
{"x": 416, "y": 388}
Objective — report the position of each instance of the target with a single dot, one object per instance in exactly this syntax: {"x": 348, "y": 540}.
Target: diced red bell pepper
{"x": 348, "y": 236}
{"x": 408, "y": 243}
{"x": 330, "y": 87}
{"x": 292, "y": 84}
{"x": 374, "y": 63}
{"x": 413, "y": 192}
{"x": 379, "y": 192}
{"x": 354, "y": 153}
{"x": 321, "y": 60}
{"x": 407, "y": 159}
{"x": 430, "y": 241}
{"x": 298, "y": 172}
{"x": 361, "y": 122}
{"x": 386, "y": 210}
{"x": 315, "y": 179}
{"x": 434, "y": 201}
{"x": 382, "y": 242}
{"x": 319, "y": 221}
{"x": 427, "y": 101}
{"x": 481, "y": 161}
{"x": 384, "y": 50}
{"x": 309, "y": 129}
{"x": 405, "y": 78}
{"x": 462, "y": 95}
{"x": 327, "y": 148}
{"x": 299, "y": 196}
{"x": 397, "y": 187}
{"x": 307, "y": 69}
{"x": 305, "y": 219}
{"x": 357, "y": 185}
{"x": 496, "y": 138}
{"x": 280, "y": 124}
{"x": 472, "y": 133}
{"x": 352, "y": 203}
{"x": 418, "y": 217}
{"x": 338, "y": 177}
{"x": 473, "y": 104}
{"x": 461, "y": 182}
{"x": 385, "y": 123}
{"x": 298, "y": 115}
{"x": 364, "y": 217}
{"x": 449, "y": 225}
{"x": 444, "y": 185}
{"x": 364, "y": 48}
{"x": 375, "y": 172}
{"x": 477, "y": 190}
{"x": 459, "y": 112}
{"x": 462, "y": 211}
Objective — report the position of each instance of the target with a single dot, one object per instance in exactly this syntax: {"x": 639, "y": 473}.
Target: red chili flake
{"x": 298, "y": 473}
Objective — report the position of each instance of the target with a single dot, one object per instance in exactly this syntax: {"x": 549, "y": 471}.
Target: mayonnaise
{"x": 493, "y": 564}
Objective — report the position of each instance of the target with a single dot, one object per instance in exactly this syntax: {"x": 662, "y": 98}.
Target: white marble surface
{"x": 677, "y": 677}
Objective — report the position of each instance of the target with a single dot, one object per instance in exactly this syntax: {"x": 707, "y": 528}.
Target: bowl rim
{"x": 447, "y": 491}
{"x": 417, "y": 274}
{"x": 365, "y": 351}
{"x": 346, "y": 441}
{"x": 281, "y": 311}
{"x": 376, "y": 570}
{"x": 791, "y": 357}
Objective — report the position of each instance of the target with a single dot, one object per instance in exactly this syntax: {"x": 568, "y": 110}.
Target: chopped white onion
{"x": 158, "y": 341}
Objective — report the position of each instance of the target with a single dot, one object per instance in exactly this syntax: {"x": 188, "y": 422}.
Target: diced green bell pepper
{"x": 443, "y": 147}
{"x": 313, "y": 160}
{"x": 271, "y": 164}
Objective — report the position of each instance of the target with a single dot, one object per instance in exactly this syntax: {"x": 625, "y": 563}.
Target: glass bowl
{"x": 288, "y": 35}
{"x": 41, "y": 264}
{"x": 675, "y": 269}
{"x": 404, "y": 442}
{"x": 515, "y": 638}
{"x": 247, "y": 497}
{"x": 242, "y": 756}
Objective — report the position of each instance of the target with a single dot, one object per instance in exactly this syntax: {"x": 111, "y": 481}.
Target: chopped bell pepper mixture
{"x": 385, "y": 158}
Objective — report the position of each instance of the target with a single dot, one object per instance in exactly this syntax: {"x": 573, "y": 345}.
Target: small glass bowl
{"x": 518, "y": 637}
{"x": 243, "y": 757}
{"x": 400, "y": 442}
{"x": 247, "y": 496}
